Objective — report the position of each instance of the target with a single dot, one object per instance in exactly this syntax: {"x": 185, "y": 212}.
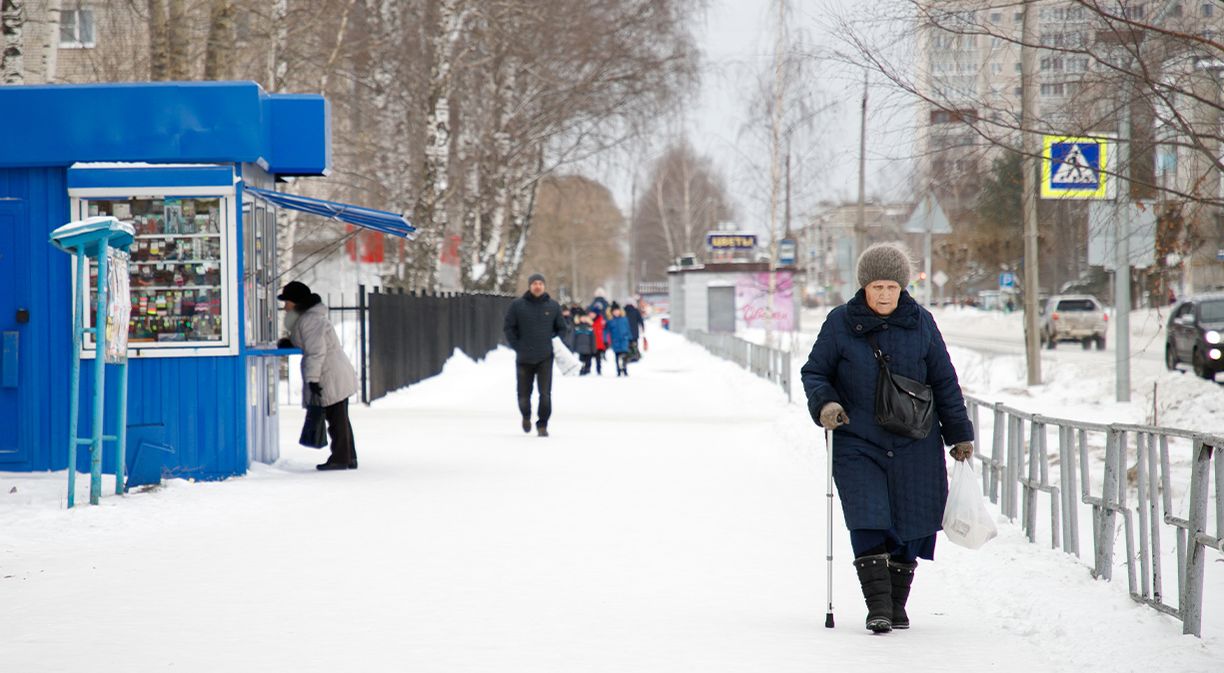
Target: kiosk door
{"x": 12, "y": 295}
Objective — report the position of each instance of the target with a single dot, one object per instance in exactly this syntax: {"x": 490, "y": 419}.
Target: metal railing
{"x": 768, "y": 363}
{"x": 1017, "y": 474}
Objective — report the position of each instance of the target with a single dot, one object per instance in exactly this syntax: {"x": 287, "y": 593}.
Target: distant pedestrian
{"x": 893, "y": 488}
{"x": 328, "y": 378}
{"x": 531, "y": 323}
{"x": 636, "y": 327}
{"x": 617, "y": 334}
{"x": 598, "y": 323}
{"x": 584, "y": 341}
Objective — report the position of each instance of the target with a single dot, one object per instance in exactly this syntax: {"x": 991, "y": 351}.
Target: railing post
{"x": 1103, "y": 567}
{"x": 1192, "y": 597}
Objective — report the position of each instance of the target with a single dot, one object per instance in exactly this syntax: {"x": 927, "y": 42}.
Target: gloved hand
{"x": 284, "y": 342}
{"x": 833, "y": 416}
{"x": 316, "y": 393}
{"x": 961, "y": 451}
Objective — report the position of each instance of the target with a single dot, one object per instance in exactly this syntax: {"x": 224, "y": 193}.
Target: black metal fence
{"x": 407, "y": 337}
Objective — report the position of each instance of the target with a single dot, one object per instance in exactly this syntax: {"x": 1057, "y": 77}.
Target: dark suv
{"x": 1196, "y": 330}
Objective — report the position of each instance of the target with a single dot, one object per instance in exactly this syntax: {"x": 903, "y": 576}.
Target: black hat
{"x": 534, "y": 277}
{"x": 295, "y": 292}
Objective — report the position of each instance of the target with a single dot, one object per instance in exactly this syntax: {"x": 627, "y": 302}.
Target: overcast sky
{"x": 737, "y": 41}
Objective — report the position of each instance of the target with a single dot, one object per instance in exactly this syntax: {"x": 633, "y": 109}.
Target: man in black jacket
{"x": 531, "y": 323}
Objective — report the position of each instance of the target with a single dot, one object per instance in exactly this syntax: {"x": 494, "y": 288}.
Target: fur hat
{"x": 884, "y": 261}
{"x": 296, "y": 292}
{"x": 534, "y": 277}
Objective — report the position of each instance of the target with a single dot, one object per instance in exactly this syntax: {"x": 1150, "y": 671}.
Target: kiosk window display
{"x": 181, "y": 289}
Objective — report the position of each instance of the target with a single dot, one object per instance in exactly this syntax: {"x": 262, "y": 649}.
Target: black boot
{"x": 902, "y": 576}
{"x": 877, "y": 591}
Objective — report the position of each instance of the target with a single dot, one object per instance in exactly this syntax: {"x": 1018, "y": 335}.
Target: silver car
{"x": 1073, "y": 317}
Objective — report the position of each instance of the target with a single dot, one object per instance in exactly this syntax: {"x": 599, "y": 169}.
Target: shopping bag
{"x": 563, "y": 358}
{"x": 314, "y": 430}
{"x": 966, "y": 520}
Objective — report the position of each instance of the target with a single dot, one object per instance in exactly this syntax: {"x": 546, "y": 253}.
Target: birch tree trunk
{"x": 50, "y": 48}
{"x": 430, "y": 212}
{"x": 278, "y": 66}
{"x": 159, "y": 50}
{"x": 12, "y": 27}
{"x": 219, "y": 51}
{"x": 177, "y": 37}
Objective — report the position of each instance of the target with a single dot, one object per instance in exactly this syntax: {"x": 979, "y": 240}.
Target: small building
{"x": 194, "y": 167}
{"x": 734, "y": 296}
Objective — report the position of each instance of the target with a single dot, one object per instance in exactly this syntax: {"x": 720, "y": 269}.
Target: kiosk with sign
{"x": 191, "y": 173}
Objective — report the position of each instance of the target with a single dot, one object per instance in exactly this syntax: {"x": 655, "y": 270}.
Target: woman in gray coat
{"x": 328, "y": 378}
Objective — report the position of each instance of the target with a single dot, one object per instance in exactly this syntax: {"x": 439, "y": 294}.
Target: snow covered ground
{"x": 674, "y": 521}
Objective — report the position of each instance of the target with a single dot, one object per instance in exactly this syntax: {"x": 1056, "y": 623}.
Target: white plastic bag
{"x": 966, "y": 520}
{"x": 563, "y": 358}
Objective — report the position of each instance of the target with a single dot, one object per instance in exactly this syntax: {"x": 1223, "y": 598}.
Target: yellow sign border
{"x": 1047, "y": 169}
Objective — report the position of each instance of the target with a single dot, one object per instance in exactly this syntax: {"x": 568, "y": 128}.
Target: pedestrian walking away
{"x": 892, "y": 487}
{"x": 531, "y": 323}
{"x": 328, "y": 378}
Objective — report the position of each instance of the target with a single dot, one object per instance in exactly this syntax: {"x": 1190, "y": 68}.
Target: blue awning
{"x": 367, "y": 218}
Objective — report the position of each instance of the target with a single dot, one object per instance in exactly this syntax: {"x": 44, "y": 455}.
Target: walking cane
{"x": 829, "y": 526}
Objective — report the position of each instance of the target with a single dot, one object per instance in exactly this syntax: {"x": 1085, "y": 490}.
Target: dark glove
{"x": 833, "y": 416}
{"x": 316, "y": 394}
{"x": 961, "y": 451}
{"x": 284, "y": 342}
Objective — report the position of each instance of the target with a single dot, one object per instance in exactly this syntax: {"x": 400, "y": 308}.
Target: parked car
{"x": 1195, "y": 333}
{"x": 1073, "y": 317}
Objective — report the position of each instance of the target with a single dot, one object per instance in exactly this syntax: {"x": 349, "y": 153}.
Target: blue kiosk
{"x": 193, "y": 169}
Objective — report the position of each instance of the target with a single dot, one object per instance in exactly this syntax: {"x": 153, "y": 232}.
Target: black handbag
{"x": 903, "y": 406}
{"x": 314, "y": 430}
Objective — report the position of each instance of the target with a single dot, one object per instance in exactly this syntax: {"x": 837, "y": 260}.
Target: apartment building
{"x": 968, "y": 72}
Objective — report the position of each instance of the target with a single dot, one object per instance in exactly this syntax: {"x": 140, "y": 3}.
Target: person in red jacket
{"x": 600, "y": 346}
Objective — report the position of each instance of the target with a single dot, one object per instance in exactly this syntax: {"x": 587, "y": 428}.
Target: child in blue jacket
{"x": 618, "y": 335}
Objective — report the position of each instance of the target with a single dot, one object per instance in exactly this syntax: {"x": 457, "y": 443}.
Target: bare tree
{"x": 576, "y": 237}
{"x": 685, "y": 199}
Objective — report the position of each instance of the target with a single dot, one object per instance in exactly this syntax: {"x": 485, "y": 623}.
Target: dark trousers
{"x": 622, "y": 364}
{"x": 343, "y": 448}
{"x": 599, "y": 356}
{"x": 539, "y": 374}
{"x": 586, "y": 364}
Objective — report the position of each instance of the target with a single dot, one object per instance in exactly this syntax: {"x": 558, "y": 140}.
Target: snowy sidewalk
{"x": 673, "y": 522}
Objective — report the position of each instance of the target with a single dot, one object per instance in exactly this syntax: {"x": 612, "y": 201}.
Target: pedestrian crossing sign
{"x": 1075, "y": 168}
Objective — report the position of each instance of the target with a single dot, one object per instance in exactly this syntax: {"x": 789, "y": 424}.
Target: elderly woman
{"x": 328, "y": 378}
{"x": 892, "y": 487}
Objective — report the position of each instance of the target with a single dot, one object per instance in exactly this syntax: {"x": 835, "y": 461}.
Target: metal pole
{"x": 74, "y": 402}
{"x": 860, "y": 224}
{"x": 121, "y": 432}
{"x": 926, "y": 255}
{"x": 829, "y": 527}
{"x": 361, "y": 338}
{"x": 1028, "y": 104}
{"x": 99, "y": 383}
{"x": 1122, "y": 293}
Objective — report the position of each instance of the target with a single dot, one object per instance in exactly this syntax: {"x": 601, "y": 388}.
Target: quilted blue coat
{"x": 886, "y": 481}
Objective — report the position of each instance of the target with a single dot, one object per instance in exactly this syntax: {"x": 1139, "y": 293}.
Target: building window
{"x": 76, "y": 28}
{"x": 996, "y": 17}
{"x": 1208, "y": 9}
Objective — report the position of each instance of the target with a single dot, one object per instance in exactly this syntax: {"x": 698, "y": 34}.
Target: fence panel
{"x": 1019, "y": 468}
{"x": 411, "y": 336}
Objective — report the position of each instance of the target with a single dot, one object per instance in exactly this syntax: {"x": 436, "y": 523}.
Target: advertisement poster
{"x": 752, "y": 304}
{"x": 118, "y": 305}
